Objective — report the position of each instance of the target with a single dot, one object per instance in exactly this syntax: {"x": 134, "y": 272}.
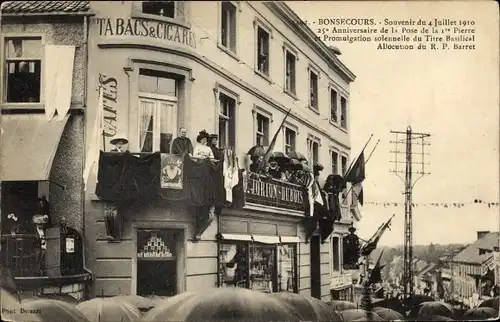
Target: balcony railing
{"x": 21, "y": 254}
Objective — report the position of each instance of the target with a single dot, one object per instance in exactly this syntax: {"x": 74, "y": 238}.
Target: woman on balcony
{"x": 202, "y": 150}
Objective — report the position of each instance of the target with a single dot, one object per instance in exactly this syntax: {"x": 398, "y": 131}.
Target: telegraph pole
{"x": 410, "y": 139}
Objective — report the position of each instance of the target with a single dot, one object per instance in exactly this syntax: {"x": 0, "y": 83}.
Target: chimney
{"x": 481, "y": 234}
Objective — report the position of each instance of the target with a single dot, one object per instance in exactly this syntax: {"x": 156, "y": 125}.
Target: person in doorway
{"x": 182, "y": 144}
{"x": 239, "y": 260}
{"x": 202, "y": 150}
{"x": 120, "y": 144}
{"x": 213, "y": 144}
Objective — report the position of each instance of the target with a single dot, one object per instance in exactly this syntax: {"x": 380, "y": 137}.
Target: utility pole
{"x": 410, "y": 139}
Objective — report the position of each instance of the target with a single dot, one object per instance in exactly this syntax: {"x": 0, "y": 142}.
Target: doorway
{"x": 315, "y": 267}
{"x": 158, "y": 262}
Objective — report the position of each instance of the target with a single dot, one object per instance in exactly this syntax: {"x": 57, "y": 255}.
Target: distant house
{"x": 472, "y": 269}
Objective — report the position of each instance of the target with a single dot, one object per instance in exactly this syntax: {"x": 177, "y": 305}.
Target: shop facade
{"x": 42, "y": 148}
{"x": 163, "y": 69}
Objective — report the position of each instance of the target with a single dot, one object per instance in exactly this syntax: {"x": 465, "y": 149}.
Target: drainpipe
{"x": 85, "y": 92}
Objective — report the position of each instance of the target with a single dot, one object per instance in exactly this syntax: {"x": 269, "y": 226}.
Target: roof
{"x": 470, "y": 254}
{"x": 45, "y": 7}
{"x": 427, "y": 269}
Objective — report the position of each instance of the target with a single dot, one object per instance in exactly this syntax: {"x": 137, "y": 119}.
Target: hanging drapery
{"x": 146, "y": 125}
{"x": 58, "y": 79}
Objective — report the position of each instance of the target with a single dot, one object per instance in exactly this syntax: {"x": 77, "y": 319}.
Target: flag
{"x": 275, "y": 137}
{"x": 376, "y": 274}
{"x": 357, "y": 189}
{"x": 95, "y": 138}
{"x": 371, "y": 244}
{"x": 357, "y": 173}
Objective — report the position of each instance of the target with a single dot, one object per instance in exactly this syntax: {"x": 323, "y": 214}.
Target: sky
{"x": 453, "y": 95}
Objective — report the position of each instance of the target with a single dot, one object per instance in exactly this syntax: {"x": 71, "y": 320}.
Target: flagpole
{"x": 372, "y": 152}
{"x": 352, "y": 163}
{"x": 273, "y": 141}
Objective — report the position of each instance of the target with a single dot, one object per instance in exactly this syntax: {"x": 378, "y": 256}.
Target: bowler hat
{"x": 201, "y": 135}
{"x": 352, "y": 229}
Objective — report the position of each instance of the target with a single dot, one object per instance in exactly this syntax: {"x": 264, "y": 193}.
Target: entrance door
{"x": 315, "y": 267}
{"x": 157, "y": 264}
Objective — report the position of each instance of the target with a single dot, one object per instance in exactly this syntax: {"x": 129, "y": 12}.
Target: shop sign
{"x": 110, "y": 104}
{"x": 274, "y": 193}
{"x": 340, "y": 280}
{"x": 113, "y": 27}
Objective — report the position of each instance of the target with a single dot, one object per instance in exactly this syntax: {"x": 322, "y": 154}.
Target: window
{"x": 336, "y": 254}
{"x": 343, "y": 115}
{"x": 344, "y": 165}
{"x": 313, "y": 90}
{"x": 335, "y": 162}
{"x": 290, "y": 136}
{"x": 23, "y": 58}
{"x": 262, "y": 51}
{"x": 228, "y": 26}
{"x": 289, "y": 72}
{"x": 261, "y": 267}
{"x": 160, "y": 8}
{"x": 158, "y": 94}
{"x": 227, "y": 122}
{"x": 262, "y": 131}
{"x": 313, "y": 151}
{"x": 333, "y": 104}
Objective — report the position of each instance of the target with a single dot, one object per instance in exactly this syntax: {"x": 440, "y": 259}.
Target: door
{"x": 315, "y": 267}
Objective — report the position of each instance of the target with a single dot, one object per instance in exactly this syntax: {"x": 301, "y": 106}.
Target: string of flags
{"x": 434, "y": 204}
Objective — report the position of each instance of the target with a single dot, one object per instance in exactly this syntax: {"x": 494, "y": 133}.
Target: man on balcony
{"x": 182, "y": 144}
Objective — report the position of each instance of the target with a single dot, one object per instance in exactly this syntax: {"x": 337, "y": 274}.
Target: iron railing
{"x": 21, "y": 253}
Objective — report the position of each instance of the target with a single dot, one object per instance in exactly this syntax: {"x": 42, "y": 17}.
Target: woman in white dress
{"x": 202, "y": 150}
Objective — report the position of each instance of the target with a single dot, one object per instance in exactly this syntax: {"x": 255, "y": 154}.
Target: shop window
{"x": 290, "y": 72}
{"x": 261, "y": 267}
{"x": 335, "y": 162}
{"x": 333, "y": 106}
{"x": 227, "y": 121}
{"x": 23, "y": 61}
{"x": 157, "y": 262}
{"x": 313, "y": 90}
{"x": 290, "y": 137}
{"x": 343, "y": 112}
{"x": 228, "y": 26}
{"x": 160, "y": 8}
{"x": 262, "y": 131}
{"x": 336, "y": 254}
{"x": 158, "y": 109}
{"x": 263, "y": 50}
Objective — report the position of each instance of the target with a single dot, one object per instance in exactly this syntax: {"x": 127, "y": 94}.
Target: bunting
{"x": 389, "y": 204}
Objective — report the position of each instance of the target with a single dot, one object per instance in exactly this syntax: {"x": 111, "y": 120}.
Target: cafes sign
{"x": 146, "y": 29}
{"x": 273, "y": 193}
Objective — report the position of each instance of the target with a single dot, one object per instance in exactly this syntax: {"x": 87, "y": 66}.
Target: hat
{"x": 213, "y": 136}
{"x": 119, "y": 139}
{"x": 201, "y": 135}
{"x": 352, "y": 229}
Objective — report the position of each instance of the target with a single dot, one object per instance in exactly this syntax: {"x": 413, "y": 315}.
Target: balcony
{"x": 21, "y": 254}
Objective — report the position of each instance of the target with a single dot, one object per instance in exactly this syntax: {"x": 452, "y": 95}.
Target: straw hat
{"x": 119, "y": 139}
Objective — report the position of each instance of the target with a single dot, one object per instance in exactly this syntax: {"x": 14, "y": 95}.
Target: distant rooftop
{"x": 470, "y": 254}
{"x": 42, "y": 7}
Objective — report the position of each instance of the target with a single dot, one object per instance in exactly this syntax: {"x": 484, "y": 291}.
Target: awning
{"x": 289, "y": 239}
{"x": 236, "y": 237}
{"x": 28, "y": 145}
{"x": 266, "y": 239}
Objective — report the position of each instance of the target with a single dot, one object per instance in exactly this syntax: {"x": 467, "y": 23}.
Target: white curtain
{"x": 146, "y": 119}
{"x": 58, "y": 79}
